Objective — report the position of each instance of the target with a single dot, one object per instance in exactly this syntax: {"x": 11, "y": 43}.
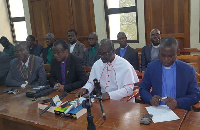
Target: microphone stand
{"x": 87, "y": 104}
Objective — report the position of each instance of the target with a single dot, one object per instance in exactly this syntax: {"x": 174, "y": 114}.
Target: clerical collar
{"x": 64, "y": 61}
{"x": 155, "y": 46}
{"x": 172, "y": 66}
{"x": 124, "y": 47}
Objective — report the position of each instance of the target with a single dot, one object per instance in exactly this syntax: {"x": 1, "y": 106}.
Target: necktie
{"x": 24, "y": 72}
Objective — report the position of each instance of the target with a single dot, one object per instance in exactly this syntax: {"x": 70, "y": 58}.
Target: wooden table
{"x": 19, "y": 112}
{"x": 191, "y": 121}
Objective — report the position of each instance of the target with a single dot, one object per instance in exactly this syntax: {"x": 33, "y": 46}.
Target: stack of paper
{"x": 161, "y": 113}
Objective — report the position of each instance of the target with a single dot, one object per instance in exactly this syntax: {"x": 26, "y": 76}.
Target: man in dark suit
{"x": 76, "y": 47}
{"x": 34, "y": 49}
{"x": 125, "y": 51}
{"x": 25, "y": 69}
{"x": 171, "y": 78}
{"x": 151, "y": 52}
{"x": 91, "y": 54}
{"x": 8, "y": 47}
{"x": 47, "y": 53}
{"x": 4, "y": 67}
{"x": 67, "y": 72}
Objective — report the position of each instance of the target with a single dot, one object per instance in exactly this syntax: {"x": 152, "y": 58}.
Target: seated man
{"x": 76, "y": 48}
{"x": 115, "y": 74}
{"x": 151, "y": 52}
{"x": 34, "y": 49}
{"x": 67, "y": 72}
{"x": 8, "y": 47}
{"x": 170, "y": 77}
{"x": 47, "y": 53}
{"x": 4, "y": 67}
{"x": 125, "y": 51}
{"x": 25, "y": 69}
{"x": 91, "y": 54}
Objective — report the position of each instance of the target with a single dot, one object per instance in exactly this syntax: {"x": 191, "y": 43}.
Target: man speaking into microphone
{"x": 115, "y": 74}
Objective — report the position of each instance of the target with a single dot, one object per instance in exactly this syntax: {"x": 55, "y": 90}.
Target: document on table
{"x": 162, "y": 113}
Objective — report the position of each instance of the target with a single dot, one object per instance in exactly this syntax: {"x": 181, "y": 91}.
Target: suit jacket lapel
{"x": 75, "y": 48}
{"x": 126, "y": 55}
{"x": 67, "y": 69}
{"x": 159, "y": 77}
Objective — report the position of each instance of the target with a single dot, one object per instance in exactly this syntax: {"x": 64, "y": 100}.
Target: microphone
{"x": 73, "y": 104}
{"x": 52, "y": 103}
{"x": 99, "y": 95}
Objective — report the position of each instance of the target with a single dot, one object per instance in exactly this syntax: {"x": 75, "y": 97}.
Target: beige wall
{"x": 4, "y": 23}
{"x": 101, "y": 23}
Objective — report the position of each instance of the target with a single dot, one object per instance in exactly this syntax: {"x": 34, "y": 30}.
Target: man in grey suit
{"x": 76, "y": 47}
{"x": 91, "y": 54}
{"x": 151, "y": 52}
{"x": 25, "y": 69}
{"x": 4, "y": 67}
{"x": 125, "y": 51}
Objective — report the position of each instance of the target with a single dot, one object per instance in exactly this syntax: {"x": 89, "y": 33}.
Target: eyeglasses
{"x": 57, "y": 52}
{"x": 91, "y": 38}
{"x": 104, "y": 54}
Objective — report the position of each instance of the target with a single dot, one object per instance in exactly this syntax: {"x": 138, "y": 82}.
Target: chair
{"x": 189, "y": 51}
{"x": 87, "y": 69}
{"x": 136, "y": 88}
{"x": 193, "y": 60}
{"x": 47, "y": 69}
{"x": 139, "y": 50}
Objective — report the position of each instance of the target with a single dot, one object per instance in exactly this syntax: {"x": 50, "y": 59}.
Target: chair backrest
{"x": 87, "y": 69}
{"x": 140, "y": 75}
{"x": 193, "y": 60}
{"x": 47, "y": 69}
{"x": 189, "y": 51}
{"x": 139, "y": 50}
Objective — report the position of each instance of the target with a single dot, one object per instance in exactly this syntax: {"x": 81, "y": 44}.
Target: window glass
{"x": 120, "y": 3}
{"x": 20, "y": 31}
{"x": 16, "y": 8}
{"x": 124, "y": 22}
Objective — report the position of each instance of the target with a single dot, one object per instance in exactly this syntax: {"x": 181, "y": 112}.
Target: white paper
{"x": 56, "y": 100}
{"x": 23, "y": 85}
{"x": 161, "y": 113}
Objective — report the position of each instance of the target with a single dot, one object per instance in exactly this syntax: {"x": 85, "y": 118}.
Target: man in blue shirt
{"x": 125, "y": 51}
{"x": 171, "y": 78}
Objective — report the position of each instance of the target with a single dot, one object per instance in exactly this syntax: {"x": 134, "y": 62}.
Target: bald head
{"x": 155, "y": 36}
{"x": 106, "y": 51}
{"x": 22, "y": 51}
{"x": 93, "y": 39}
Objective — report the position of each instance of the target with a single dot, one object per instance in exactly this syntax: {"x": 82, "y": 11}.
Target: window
{"x": 121, "y": 16}
{"x": 17, "y": 20}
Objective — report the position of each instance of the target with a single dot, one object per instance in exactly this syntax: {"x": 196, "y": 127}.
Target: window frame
{"x": 119, "y": 11}
{"x": 12, "y": 20}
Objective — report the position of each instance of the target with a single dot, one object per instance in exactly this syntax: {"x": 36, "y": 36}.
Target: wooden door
{"x": 171, "y": 17}
{"x": 61, "y": 15}
{"x": 39, "y": 18}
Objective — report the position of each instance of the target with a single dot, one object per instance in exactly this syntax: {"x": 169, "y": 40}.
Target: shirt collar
{"x": 155, "y": 46}
{"x": 124, "y": 47}
{"x": 170, "y": 67}
{"x": 26, "y": 62}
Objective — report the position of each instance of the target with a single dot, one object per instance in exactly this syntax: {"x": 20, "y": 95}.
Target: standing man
{"x": 171, "y": 78}
{"x": 67, "y": 72}
{"x": 25, "y": 69}
{"x": 47, "y": 53}
{"x": 76, "y": 48}
{"x": 91, "y": 54}
{"x": 4, "y": 67}
{"x": 115, "y": 74}
{"x": 8, "y": 47}
{"x": 151, "y": 52}
{"x": 33, "y": 48}
{"x": 125, "y": 51}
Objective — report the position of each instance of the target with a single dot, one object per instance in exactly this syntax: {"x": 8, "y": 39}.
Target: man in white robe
{"x": 115, "y": 74}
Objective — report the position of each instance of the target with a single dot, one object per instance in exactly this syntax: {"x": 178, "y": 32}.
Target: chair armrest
{"x": 196, "y": 107}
